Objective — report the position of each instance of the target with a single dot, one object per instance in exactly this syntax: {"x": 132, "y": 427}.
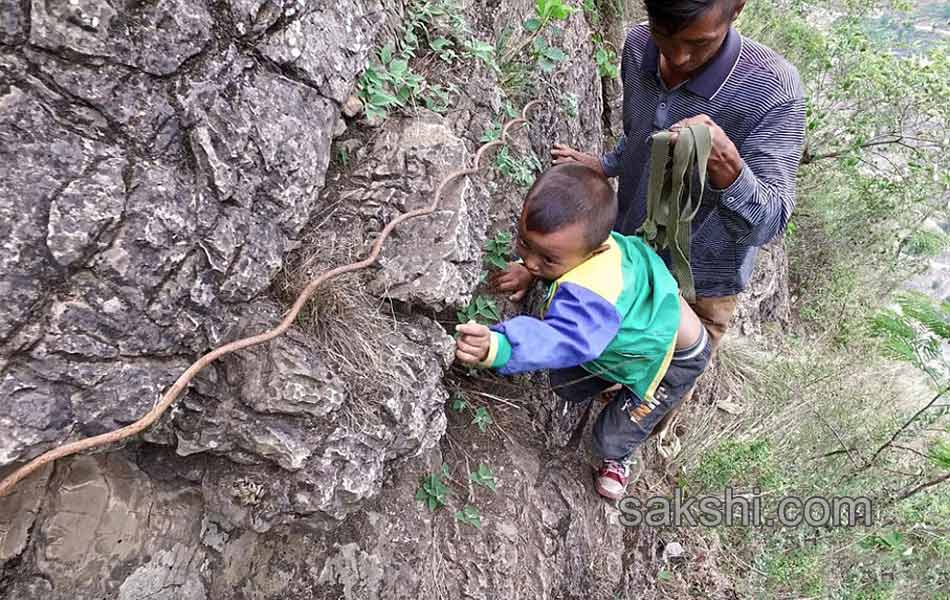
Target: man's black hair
{"x": 572, "y": 193}
{"x": 673, "y": 16}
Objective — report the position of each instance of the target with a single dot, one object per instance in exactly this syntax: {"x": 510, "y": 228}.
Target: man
{"x": 688, "y": 65}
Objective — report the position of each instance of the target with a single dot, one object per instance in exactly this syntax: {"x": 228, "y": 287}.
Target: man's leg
{"x": 716, "y": 314}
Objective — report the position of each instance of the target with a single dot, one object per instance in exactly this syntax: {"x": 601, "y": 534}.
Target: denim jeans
{"x": 626, "y": 421}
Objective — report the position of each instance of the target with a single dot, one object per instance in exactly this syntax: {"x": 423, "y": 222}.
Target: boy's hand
{"x": 564, "y": 154}
{"x": 515, "y": 278}
{"x": 473, "y": 344}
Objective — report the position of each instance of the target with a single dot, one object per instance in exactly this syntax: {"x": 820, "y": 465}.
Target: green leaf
{"x": 482, "y": 418}
{"x": 458, "y": 404}
{"x": 386, "y": 54}
{"x": 497, "y": 261}
{"x": 546, "y": 64}
{"x": 399, "y": 67}
{"x": 539, "y": 45}
{"x": 484, "y": 477}
{"x": 664, "y": 575}
{"x": 384, "y": 100}
{"x": 469, "y": 515}
{"x": 440, "y": 43}
{"x": 555, "y": 54}
{"x": 532, "y": 24}
{"x": 939, "y": 454}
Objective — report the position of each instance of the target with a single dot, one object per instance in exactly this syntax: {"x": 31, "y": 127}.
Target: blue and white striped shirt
{"x": 756, "y": 97}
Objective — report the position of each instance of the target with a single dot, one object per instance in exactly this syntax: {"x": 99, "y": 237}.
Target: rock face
{"x": 160, "y": 165}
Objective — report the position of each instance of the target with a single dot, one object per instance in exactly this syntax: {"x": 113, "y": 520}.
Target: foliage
{"x": 458, "y": 403}
{"x": 481, "y": 309}
{"x": 605, "y": 57}
{"x": 521, "y": 171}
{"x": 519, "y": 75}
{"x": 470, "y": 516}
{"x": 432, "y": 490}
{"x": 498, "y": 249}
{"x": 483, "y": 477}
{"x": 492, "y": 133}
{"x": 434, "y": 27}
{"x": 482, "y": 418}
{"x": 916, "y": 332}
{"x": 569, "y": 105}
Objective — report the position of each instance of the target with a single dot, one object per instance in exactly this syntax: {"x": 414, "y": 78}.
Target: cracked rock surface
{"x": 162, "y": 164}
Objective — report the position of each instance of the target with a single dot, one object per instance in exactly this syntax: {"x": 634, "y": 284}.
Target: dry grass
{"x": 346, "y": 322}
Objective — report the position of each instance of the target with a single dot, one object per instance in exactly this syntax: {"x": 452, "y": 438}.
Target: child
{"x": 612, "y": 315}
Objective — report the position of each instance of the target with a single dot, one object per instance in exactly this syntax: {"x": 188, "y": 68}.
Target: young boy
{"x": 612, "y": 315}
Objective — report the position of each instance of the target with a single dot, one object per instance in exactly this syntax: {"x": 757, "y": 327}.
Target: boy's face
{"x": 550, "y": 255}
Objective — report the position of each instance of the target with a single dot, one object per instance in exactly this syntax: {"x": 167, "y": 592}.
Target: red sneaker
{"x": 614, "y": 477}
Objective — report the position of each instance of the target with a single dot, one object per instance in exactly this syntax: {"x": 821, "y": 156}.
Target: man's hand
{"x": 565, "y": 154}
{"x": 473, "y": 344}
{"x": 724, "y": 162}
{"x": 515, "y": 279}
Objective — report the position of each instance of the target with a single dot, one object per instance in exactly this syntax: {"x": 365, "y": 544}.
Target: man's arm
{"x": 757, "y": 182}
{"x": 577, "y": 328}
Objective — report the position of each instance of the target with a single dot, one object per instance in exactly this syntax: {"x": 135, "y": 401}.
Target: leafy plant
{"x": 498, "y": 249}
{"x": 389, "y": 84}
{"x": 482, "y": 51}
{"x": 939, "y": 454}
{"x": 470, "y": 516}
{"x": 432, "y": 489}
{"x": 444, "y": 49}
{"x": 343, "y": 157}
{"x": 482, "y": 419}
{"x": 891, "y": 540}
{"x": 482, "y": 309}
{"x": 521, "y": 171}
{"x": 546, "y": 11}
{"x": 606, "y": 58}
{"x": 439, "y": 98}
{"x": 915, "y": 332}
{"x": 483, "y": 477}
{"x": 492, "y": 133}
{"x": 547, "y": 56}
{"x": 569, "y": 105}
{"x": 458, "y": 403}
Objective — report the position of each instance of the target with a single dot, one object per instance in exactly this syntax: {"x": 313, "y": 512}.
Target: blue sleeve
{"x": 577, "y": 328}
{"x": 611, "y": 161}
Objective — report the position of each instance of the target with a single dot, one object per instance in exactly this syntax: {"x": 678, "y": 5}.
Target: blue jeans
{"x": 627, "y": 421}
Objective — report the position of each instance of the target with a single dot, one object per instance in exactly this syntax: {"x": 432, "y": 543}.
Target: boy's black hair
{"x": 673, "y": 16}
{"x": 572, "y": 193}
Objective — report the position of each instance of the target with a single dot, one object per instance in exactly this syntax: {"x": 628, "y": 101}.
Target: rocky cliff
{"x": 170, "y": 173}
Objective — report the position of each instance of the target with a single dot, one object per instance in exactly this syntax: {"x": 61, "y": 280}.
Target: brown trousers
{"x": 715, "y": 313}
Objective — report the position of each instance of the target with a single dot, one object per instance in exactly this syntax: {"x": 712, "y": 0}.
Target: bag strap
{"x": 674, "y": 195}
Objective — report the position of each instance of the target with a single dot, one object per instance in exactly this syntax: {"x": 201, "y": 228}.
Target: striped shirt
{"x": 756, "y": 97}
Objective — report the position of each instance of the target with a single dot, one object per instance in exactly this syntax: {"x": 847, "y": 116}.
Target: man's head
{"x": 689, "y": 32}
{"x": 567, "y": 217}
